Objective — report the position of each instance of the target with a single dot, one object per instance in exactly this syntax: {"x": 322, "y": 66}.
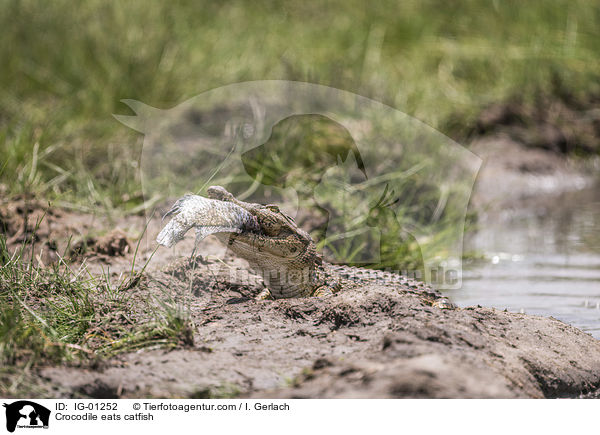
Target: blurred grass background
{"x": 65, "y": 68}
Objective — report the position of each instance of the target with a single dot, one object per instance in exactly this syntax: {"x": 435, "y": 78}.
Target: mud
{"x": 47, "y": 232}
{"x": 367, "y": 342}
{"x": 515, "y": 179}
{"x": 363, "y": 342}
{"x": 562, "y": 123}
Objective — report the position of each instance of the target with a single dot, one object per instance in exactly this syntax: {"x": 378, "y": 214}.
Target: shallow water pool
{"x": 544, "y": 260}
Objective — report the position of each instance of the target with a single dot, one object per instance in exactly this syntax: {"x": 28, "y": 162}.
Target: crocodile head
{"x": 279, "y": 234}
{"x": 283, "y": 253}
{"x": 274, "y": 246}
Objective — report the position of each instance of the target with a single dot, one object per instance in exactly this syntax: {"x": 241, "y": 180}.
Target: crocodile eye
{"x": 273, "y": 208}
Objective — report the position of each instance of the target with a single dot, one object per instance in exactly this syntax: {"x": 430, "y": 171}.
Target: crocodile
{"x": 276, "y": 248}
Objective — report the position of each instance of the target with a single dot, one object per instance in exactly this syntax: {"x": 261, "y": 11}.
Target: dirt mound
{"x": 27, "y": 219}
{"x": 46, "y": 232}
{"x": 369, "y": 341}
{"x": 567, "y": 125}
{"x": 364, "y": 342}
{"x": 114, "y": 244}
{"x": 31, "y": 223}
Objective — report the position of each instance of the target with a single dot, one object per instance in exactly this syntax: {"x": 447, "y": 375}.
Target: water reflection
{"x": 541, "y": 259}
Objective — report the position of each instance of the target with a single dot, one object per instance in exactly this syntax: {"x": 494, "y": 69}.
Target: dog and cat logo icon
{"x": 26, "y": 414}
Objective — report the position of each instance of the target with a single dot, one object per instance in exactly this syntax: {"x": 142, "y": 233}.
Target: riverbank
{"x": 179, "y": 329}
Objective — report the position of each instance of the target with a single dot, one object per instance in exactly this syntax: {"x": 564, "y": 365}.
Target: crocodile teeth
{"x": 207, "y": 216}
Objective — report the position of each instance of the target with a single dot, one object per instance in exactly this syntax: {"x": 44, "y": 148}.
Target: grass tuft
{"x": 55, "y": 314}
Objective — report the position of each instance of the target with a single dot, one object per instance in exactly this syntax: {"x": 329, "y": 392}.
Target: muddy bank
{"x": 367, "y": 341}
{"x": 370, "y": 342}
{"x": 515, "y": 179}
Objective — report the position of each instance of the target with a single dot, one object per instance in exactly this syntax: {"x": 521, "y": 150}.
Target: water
{"x": 542, "y": 260}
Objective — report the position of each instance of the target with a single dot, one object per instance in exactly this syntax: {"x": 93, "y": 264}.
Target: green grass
{"x": 170, "y": 326}
{"x": 65, "y": 69}
{"x": 54, "y": 314}
{"x": 44, "y": 313}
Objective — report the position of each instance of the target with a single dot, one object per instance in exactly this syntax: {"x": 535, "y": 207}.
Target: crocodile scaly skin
{"x": 277, "y": 249}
